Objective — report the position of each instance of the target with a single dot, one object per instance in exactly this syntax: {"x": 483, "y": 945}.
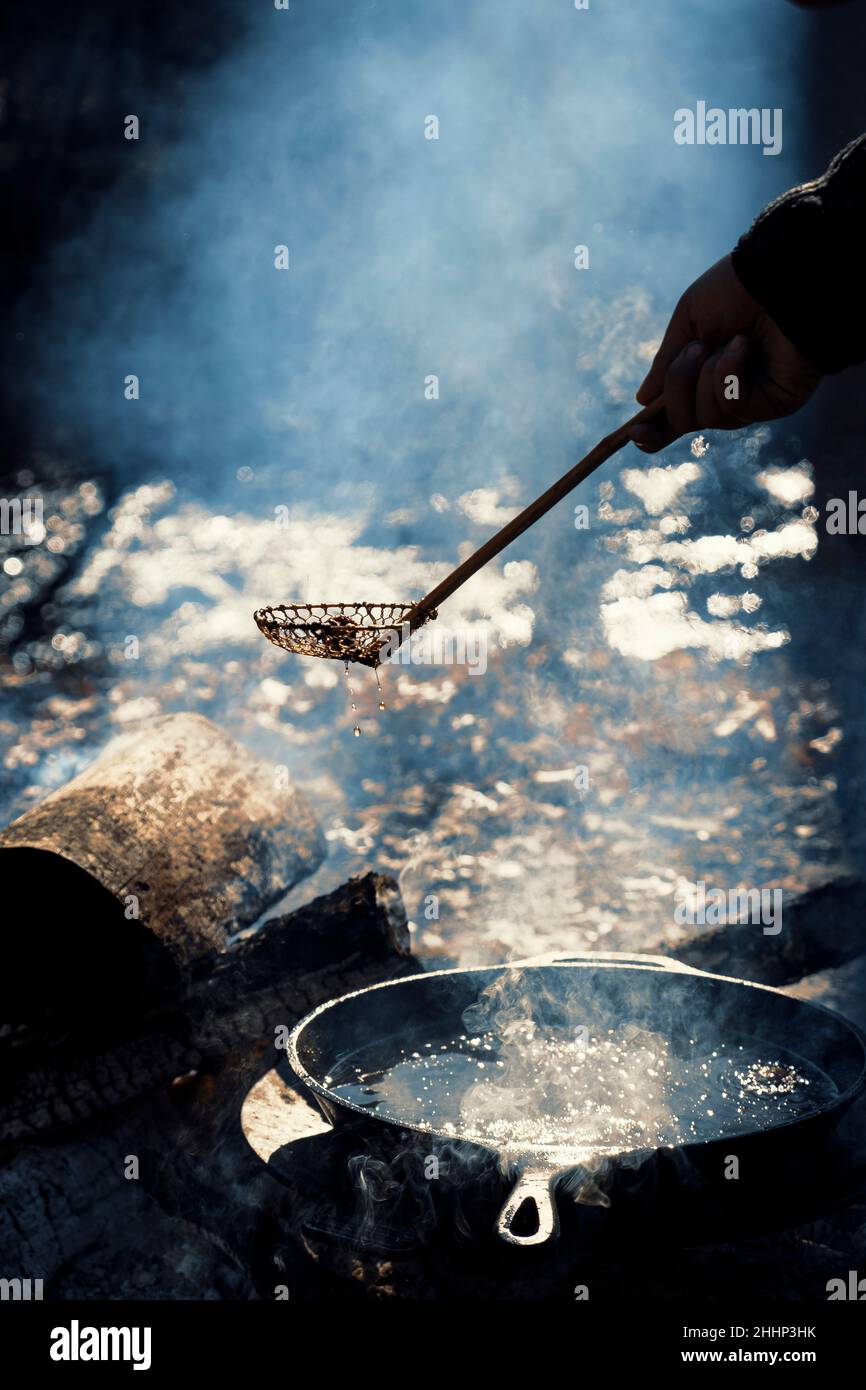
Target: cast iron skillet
{"x": 371, "y": 1026}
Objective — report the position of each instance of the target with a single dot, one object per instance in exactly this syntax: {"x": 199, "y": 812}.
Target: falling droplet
{"x": 379, "y": 688}
{"x": 357, "y": 731}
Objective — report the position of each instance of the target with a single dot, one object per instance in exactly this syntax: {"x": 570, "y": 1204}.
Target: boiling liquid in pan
{"x": 625, "y": 1090}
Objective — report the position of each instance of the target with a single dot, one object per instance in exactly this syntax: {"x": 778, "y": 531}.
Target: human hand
{"x": 723, "y": 363}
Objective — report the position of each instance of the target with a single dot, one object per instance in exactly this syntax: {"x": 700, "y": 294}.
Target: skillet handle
{"x": 535, "y": 1185}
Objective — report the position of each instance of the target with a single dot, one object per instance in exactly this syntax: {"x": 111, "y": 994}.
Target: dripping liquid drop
{"x": 357, "y": 730}
{"x": 350, "y": 688}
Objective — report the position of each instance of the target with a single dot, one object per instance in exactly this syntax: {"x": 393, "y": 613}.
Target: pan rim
{"x": 650, "y": 965}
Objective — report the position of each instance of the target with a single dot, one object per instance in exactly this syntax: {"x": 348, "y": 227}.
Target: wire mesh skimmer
{"x": 366, "y": 632}
{"x": 342, "y": 631}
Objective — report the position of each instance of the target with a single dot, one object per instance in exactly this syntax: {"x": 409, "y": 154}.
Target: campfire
{"x": 550, "y": 986}
{"x": 563, "y": 1103}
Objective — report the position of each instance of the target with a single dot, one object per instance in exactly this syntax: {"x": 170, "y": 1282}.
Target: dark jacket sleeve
{"x": 803, "y": 260}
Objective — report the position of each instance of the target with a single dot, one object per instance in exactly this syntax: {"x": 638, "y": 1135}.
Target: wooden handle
{"x": 604, "y": 450}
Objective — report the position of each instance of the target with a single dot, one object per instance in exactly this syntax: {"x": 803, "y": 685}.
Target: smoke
{"x": 408, "y": 256}
{"x": 558, "y": 1097}
{"x": 628, "y": 648}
